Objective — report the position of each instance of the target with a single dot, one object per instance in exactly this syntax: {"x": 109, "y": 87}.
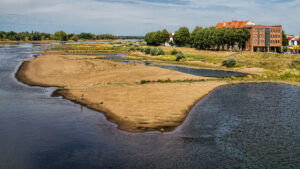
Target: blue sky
{"x": 135, "y": 17}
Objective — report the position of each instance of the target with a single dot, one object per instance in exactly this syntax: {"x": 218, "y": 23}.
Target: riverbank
{"x": 138, "y": 98}
{"x": 116, "y": 89}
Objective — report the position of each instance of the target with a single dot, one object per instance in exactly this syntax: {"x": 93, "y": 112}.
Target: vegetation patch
{"x": 172, "y": 81}
{"x": 229, "y": 62}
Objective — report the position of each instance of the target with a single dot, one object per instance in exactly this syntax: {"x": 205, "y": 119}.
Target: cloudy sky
{"x": 135, "y": 17}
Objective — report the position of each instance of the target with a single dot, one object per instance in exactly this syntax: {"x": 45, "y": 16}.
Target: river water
{"x": 244, "y": 125}
{"x": 188, "y": 70}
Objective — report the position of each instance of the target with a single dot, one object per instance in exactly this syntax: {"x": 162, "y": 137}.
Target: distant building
{"x": 292, "y": 40}
{"x": 171, "y": 41}
{"x": 294, "y": 44}
{"x": 262, "y": 37}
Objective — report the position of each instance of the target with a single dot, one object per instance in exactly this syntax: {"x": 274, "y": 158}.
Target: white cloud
{"x": 135, "y": 17}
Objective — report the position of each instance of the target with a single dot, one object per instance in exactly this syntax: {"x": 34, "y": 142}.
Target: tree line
{"x": 203, "y": 38}
{"x": 59, "y": 35}
{"x": 157, "y": 38}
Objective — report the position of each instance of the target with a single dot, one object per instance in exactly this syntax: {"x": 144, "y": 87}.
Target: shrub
{"x": 147, "y": 51}
{"x": 179, "y": 56}
{"x": 174, "y": 52}
{"x": 229, "y": 62}
{"x": 145, "y": 81}
{"x": 153, "y": 51}
{"x": 160, "y": 52}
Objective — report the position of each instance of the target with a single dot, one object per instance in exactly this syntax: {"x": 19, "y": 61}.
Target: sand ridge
{"x": 114, "y": 89}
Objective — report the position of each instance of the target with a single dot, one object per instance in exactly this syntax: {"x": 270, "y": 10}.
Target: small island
{"x": 138, "y": 97}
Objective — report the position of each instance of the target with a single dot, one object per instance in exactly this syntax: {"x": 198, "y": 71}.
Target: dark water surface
{"x": 245, "y": 125}
{"x": 203, "y": 72}
{"x": 188, "y": 70}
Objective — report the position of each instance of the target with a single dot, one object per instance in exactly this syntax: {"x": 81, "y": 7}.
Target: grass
{"x": 172, "y": 81}
{"x": 275, "y": 66}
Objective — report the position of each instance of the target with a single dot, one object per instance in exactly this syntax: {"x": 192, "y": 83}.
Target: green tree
{"x": 284, "y": 39}
{"x": 36, "y": 36}
{"x": 73, "y": 37}
{"x": 61, "y": 35}
{"x": 2, "y": 35}
{"x": 166, "y": 35}
{"x": 182, "y": 37}
{"x": 87, "y": 36}
{"x": 150, "y": 38}
{"x": 193, "y": 35}
{"x": 11, "y": 35}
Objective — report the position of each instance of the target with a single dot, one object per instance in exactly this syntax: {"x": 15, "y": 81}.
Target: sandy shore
{"x": 114, "y": 89}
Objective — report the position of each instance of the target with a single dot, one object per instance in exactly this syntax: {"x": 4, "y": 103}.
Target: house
{"x": 293, "y": 43}
{"x": 171, "y": 41}
{"x": 292, "y": 40}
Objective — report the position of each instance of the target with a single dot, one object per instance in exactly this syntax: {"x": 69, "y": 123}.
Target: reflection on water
{"x": 188, "y": 70}
{"x": 203, "y": 72}
{"x": 114, "y": 56}
{"x": 245, "y": 125}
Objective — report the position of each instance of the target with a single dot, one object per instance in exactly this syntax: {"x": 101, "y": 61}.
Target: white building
{"x": 293, "y": 41}
{"x": 171, "y": 41}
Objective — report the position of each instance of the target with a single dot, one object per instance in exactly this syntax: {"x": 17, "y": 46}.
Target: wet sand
{"x": 114, "y": 89}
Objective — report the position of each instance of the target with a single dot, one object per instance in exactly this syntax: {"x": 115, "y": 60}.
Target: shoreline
{"x": 132, "y": 125}
{"x": 140, "y": 124}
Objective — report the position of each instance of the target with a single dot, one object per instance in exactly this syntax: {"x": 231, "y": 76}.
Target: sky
{"x": 136, "y": 17}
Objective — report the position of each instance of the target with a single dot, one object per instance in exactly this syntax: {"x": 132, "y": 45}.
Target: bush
{"x": 153, "y": 51}
{"x": 174, "y": 52}
{"x": 160, "y": 52}
{"x": 147, "y": 51}
{"x": 145, "y": 81}
{"x": 229, "y": 62}
{"x": 179, "y": 56}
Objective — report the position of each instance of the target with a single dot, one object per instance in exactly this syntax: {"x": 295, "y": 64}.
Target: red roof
{"x": 233, "y": 24}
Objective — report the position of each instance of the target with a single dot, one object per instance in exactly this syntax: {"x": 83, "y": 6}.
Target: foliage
{"x": 166, "y": 36}
{"x": 182, "y": 37}
{"x": 156, "y": 51}
{"x": 179, "y": 56}
{"x": 147, "y": 51}
{"x": 160, "y": 52}
{"x": 157, "y": 38}
{"x": 61, "y": 35}
{"x": 284, "y": 39}
{"x": 213, "y": 38}
{"x": 171, "y": 81}
{"x": 73, "y": 37}
{"x": 153, "y": 51}
{"x": 229, "y": 62}
{"x": 174, "y": 52}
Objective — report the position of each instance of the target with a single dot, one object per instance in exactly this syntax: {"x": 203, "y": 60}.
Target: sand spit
{"x": 114, "y": 89}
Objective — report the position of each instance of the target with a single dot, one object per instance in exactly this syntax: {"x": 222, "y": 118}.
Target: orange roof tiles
{"x": 233, "y": 24}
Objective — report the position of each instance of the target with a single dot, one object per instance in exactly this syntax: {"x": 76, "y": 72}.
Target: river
{"x": 243, "y": 125}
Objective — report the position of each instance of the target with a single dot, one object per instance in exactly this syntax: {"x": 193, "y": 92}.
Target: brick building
{"x": 263, "y": 38}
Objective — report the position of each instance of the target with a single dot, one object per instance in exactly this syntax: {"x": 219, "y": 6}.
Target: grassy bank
{"x": 144, "y": 98}
{"x": 264, "y": 66}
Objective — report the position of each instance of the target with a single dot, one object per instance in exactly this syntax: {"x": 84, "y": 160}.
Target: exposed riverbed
{"x": 243, "y": 125}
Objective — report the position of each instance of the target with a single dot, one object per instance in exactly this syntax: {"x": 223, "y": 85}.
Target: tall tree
{"x": 182, "y": 37}
{"x": 284, "y": 39}
{"x": 193, "y": 35}
{"x": 61, "y": 35}
{"x": 166, "y": 35}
